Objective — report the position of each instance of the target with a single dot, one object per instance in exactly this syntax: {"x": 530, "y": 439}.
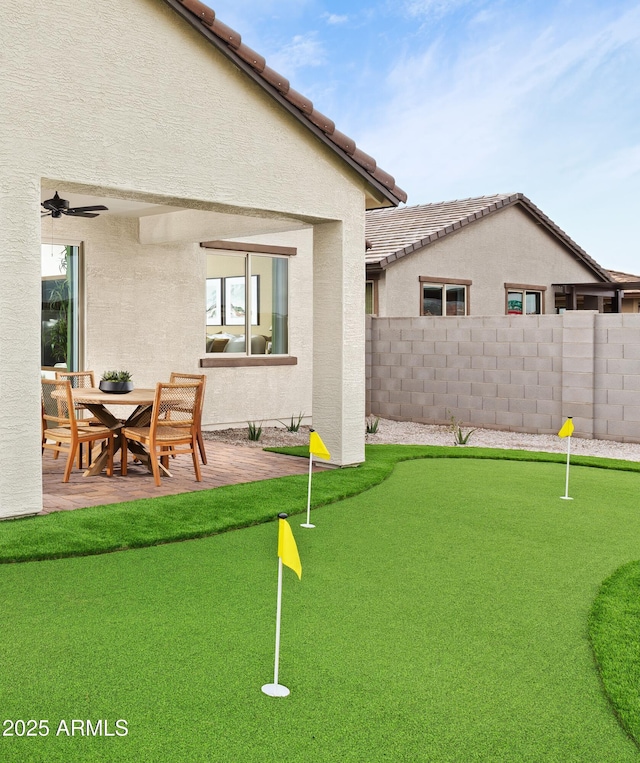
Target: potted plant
{"x": 116, "y": 382}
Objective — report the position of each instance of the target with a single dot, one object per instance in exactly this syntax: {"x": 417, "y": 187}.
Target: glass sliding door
{"x": 60, "y": 325}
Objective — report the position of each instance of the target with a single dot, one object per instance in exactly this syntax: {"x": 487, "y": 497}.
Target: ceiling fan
{"x": 56, "y": 207}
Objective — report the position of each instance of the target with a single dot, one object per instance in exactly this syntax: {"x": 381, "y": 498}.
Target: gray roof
{"x": 395, "y": 233}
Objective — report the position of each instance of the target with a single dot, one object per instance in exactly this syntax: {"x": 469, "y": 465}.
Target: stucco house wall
{"x": 124, "y": 99}
{"x": 506, "y": 247}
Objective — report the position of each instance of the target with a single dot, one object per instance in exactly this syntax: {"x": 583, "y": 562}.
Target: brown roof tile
{"x": 204, "y": 19}
{"x": 299, "y": 100}
{"x": 251, "y": 57}
{"x": 364, "y": 160}
{"x": 395, "y": 233}
{"x": 275, "y": 79}
{"x": 202, "y": 11}
{"x": 344, "y": 141}
{"x": 324, "y": 123}
{"x": 224, "y": 32}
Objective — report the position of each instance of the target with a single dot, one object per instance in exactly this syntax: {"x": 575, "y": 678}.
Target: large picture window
{"x": 437, "y": 297}
{"x": 233, "y": 282}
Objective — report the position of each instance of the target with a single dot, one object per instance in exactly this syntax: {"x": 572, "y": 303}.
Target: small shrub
{"x": 294, "y": 424}
{"x": 255, "y": 430}
{"x": 372, "y": 424}
{"x": 460, "y": 437}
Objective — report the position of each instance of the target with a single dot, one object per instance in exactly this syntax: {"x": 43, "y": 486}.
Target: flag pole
{"x": 308, "y": 522}
{"x": 275, "y": 689}
{"x": 566, "y": 496}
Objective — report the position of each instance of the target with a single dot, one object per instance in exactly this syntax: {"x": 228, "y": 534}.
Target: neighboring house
{"x": 158, "y": 111}
{"x": 492, "y": 255}
{"x": 631, "y": 296}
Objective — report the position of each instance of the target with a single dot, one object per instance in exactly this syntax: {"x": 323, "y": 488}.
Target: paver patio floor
{"x": 228, "y": 465}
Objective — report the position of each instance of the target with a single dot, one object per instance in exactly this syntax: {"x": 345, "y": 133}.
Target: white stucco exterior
{"x": 123, "y": 99}
{"x": 505, "y": 247}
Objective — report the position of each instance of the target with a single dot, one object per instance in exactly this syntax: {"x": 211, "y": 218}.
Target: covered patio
{"x": 180, "y": 135}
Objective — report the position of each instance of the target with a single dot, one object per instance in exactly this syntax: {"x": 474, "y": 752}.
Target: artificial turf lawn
{"x": 135, "y": 524}
{"x": 441, "y": 616}
{"x": 614, "y": 628}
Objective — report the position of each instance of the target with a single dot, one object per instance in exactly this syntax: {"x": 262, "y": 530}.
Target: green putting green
{"x": 441, "y": 616}
{"x": 614, "y": 627}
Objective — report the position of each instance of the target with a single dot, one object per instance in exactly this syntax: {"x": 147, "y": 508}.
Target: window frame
{"x": 524, "y": 289}
{"x": 371, "y": 283}
{"x": 245, "y": 251}
{"x": 444, "y": 283}
{"x": 76, "y": 301}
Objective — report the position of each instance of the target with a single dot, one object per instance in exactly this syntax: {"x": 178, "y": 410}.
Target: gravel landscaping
{"x": 408, "y": 433}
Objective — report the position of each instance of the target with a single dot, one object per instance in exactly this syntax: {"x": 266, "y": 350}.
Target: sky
{"x": 460, "y": 98}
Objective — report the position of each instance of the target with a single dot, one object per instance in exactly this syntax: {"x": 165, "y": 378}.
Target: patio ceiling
{"x": 161, "y": 217}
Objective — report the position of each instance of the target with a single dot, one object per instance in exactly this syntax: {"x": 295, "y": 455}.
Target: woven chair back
{"x": 57, "y": 404}
{"x": 179, "y": 378}
{"x": 176, "y": 405}
{"x": 78, "y": 379}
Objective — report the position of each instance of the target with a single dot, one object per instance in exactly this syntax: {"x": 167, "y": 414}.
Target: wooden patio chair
{"x": 179, "y": 378}
{"x": 60, "y": 430}
{"x": 81, "y": 380}
{"x": 173, "y": 427}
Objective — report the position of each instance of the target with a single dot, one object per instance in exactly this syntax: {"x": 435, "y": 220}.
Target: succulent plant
{"x": 116, "y": 376}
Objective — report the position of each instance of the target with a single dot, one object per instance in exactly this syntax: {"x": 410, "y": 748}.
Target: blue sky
{"x": 460, "y": 98}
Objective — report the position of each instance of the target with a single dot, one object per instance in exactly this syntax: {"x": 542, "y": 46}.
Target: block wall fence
{"x": 516, "y": 373}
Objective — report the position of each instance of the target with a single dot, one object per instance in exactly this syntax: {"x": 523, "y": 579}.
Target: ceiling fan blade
{"x": 75, "y": 210}
{"x": 73, "y": 213}
{"x": 45, "y": 214}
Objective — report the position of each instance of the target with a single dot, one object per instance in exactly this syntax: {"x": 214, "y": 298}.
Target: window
{"x": 370, "y": 298}
{"x": 524, "y": 300}
{"x": 440, "y": 298}
{"x": 247, "y": 295}
{"x": 60, "y": 331}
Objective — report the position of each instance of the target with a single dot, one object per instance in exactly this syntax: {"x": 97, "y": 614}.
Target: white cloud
{"x": 334, "y": 18}
{"x": 301, "y": 51}
{"x": 437, "y": 8}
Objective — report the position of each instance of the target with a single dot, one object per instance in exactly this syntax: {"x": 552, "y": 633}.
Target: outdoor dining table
{"x": 96, "y": 401}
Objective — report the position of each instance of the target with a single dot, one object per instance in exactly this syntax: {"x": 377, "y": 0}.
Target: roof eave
{"x": 381, "y": 193}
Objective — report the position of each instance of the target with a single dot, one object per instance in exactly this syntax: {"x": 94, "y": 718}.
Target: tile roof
{"x": 619, "y": 277}
{"x": 395, "y": 233}
{"x": 631, "y": 282}
{"x": 229, "y": 42}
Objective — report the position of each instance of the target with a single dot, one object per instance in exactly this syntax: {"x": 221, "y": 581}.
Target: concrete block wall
{"x": 617, "y": 370}
{"x": 517, "y": 373}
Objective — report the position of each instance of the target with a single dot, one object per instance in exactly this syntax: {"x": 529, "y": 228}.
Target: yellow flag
{"x": 317, "y": 447}
{"x": 567, "y": 428}
{"x": 287, "y": 549}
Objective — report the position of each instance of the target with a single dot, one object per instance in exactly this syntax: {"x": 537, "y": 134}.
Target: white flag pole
{"x": 566, "y": 496}
{"x": 308, "y": 522}
{"x": 275, "y": 689}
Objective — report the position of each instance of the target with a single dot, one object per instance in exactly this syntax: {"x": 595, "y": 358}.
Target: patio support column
{"x": 338, "y": 338}
{"x": 20, "y": 459}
